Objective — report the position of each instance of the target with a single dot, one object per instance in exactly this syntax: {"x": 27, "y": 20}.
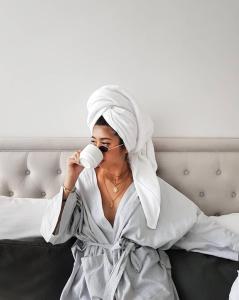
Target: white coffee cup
{"x": 90, "y": 156}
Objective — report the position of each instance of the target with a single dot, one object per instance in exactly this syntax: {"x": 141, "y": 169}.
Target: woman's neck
{"x": 116, "y": 171}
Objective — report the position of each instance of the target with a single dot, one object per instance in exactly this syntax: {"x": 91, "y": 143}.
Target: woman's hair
{"x": 102, "y": 121}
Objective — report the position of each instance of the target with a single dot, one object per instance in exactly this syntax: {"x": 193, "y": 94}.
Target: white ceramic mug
{"x": 90, "y": 156}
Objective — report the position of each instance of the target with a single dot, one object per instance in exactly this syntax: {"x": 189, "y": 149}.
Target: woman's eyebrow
{"x": 103, "y": 138}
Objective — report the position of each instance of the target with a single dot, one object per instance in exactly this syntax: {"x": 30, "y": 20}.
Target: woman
{"x": 122, "y": 214}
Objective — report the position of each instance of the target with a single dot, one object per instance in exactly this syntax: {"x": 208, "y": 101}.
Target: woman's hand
{"x": 73, "y": 170}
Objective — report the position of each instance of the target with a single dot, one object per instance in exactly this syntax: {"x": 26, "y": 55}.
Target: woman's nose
{"x": 98, "y": 144}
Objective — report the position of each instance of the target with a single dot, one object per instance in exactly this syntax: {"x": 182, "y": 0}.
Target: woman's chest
{"x": 109, "y": 204}
{"x": 111, "y": 199}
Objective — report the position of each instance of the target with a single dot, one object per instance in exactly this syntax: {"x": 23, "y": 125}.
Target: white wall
{"x": 178, "y": 58}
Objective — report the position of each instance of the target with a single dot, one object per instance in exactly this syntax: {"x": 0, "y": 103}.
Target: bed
{"x": 206, "y": 170}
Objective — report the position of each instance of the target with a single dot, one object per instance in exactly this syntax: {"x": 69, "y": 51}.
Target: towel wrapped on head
{"x": 135, "y": 128}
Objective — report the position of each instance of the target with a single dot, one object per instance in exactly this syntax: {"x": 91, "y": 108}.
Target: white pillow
{"x": 230, "y": 221}
{"x": 21, "y": 217}
{"x": 234, "y": 293}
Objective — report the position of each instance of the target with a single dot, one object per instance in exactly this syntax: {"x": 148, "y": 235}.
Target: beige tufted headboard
{"x": 206, "y": 170}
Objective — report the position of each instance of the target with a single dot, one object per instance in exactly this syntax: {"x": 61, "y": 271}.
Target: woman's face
{"x": 104, "y": 135}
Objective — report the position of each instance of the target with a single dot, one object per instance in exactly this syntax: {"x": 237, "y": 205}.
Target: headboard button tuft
{"x": 218, "y": 172}
{"x": 186, "y": 172}
{"x": 233, "y": 194}
{"x": 201, "y": 194}
{"x": 27, "y": 172}
{"x": 59, "y": 171}
{"x": 11, "y": 193}
{"x": 43, "y": 194}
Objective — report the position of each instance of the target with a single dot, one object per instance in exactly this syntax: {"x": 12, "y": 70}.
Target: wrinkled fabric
{"x": 128, "y": 260}
{"x": 135, "y": 127}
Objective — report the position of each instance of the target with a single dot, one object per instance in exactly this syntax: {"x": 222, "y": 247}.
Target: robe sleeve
{"x": 183, "y": 225}
{"x": 209, "y": 237}
{"x": 71, "y": 218}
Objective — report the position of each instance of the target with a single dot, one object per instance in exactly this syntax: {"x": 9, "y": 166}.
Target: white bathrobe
{"x": 128, "y": 261}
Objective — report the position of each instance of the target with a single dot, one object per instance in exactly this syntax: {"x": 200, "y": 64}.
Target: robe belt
{"x": 117, "y": 271}
{"x": 120, "y": 244}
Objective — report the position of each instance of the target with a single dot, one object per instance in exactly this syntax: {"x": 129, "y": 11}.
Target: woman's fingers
{"x": 74, "y": 158}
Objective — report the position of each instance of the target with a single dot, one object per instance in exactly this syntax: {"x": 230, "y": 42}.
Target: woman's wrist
{"x": 67, "y": 191}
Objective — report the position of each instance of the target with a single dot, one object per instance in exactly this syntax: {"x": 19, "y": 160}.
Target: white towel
{"x": 135, "y": 128}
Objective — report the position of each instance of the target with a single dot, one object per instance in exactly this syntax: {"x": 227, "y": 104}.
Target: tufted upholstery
{"x": 206, "y": 170}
